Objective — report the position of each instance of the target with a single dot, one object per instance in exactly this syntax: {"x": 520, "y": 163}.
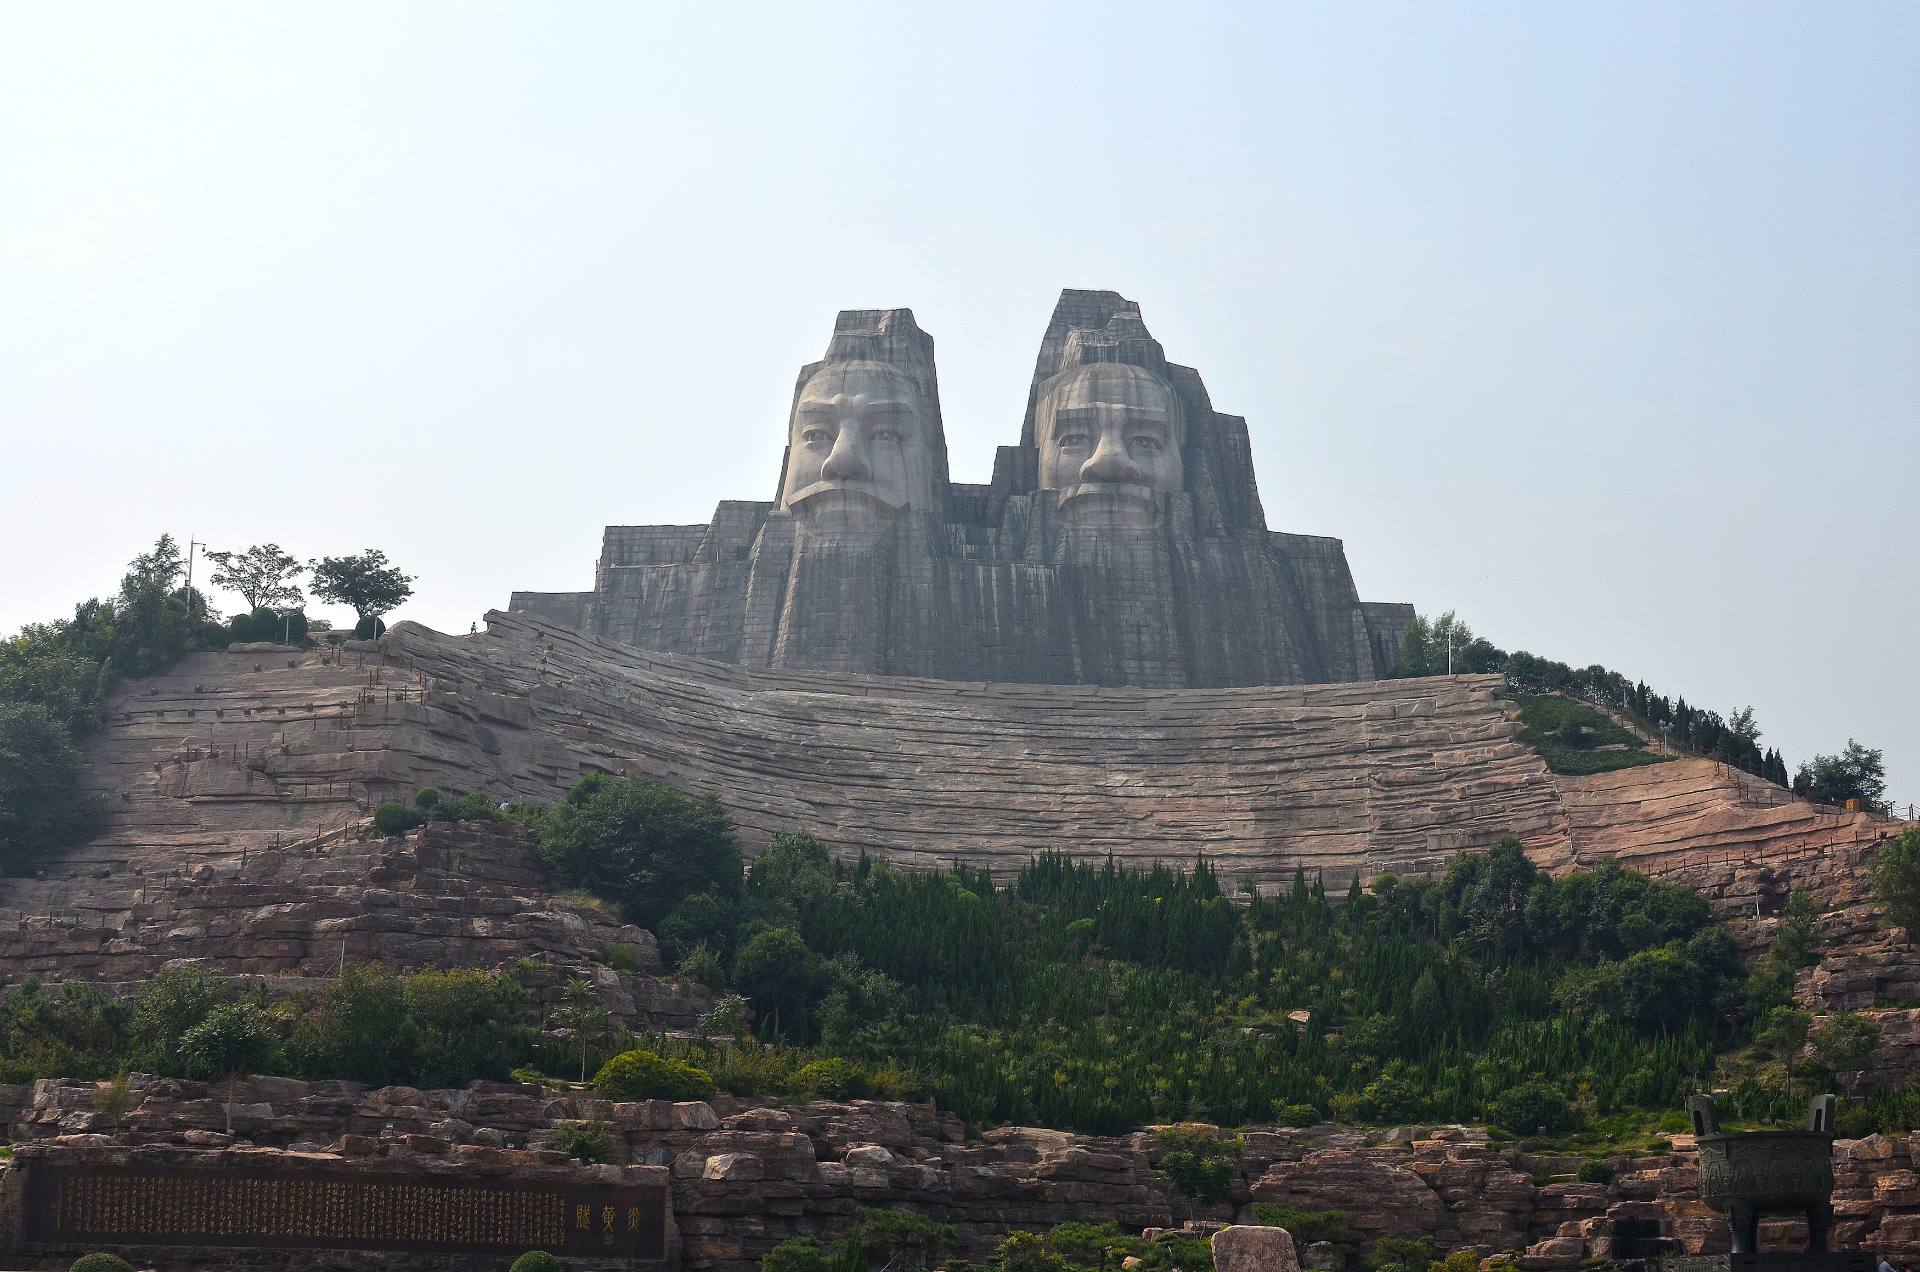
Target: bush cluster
{"x": 430, "y": 805}
{"x": 643, "y": 1075}
{"x": 1200, "y": 1165}
{"x": 429, "y": 1029}
{"x": 1102, "y": 997}
{"x": 269, "y": 626}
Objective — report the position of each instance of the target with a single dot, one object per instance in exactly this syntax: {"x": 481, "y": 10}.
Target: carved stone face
{"x": 858, "y": 446}
{"x": 1109, "y": 436}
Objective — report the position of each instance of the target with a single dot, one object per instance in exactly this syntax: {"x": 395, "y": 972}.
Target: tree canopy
{"x": 644, "y": 845}
{"x": 365, "y": 581}
{"x": 263, "y": 575}
{"x": 1858, "y": 772}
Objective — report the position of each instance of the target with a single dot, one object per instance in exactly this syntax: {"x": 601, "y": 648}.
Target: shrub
{"x": 589, "y": 1141}
{"x": 101, "y": 1262}
{"x": 1198, "y": 1164}
{"x": 796, "y": 1254}
{"x": 1091, "y": 1245}
{"x": 1294, "y": 1114}
{"x": 643, "y": 1075}
{"x": 1025, "y": 1252}
{"x": 1458, "y": 1261}
{"x": 1412, "y": 1253}
{"x": 644, "y": 845}
{"x": 702, "y": 966}
{"x": 1531, "y": 1105}
{"x": 1896, "y": 881}
{"x": 43, "y": 804}
{"x": 397, "y": 819}
{"x": 1172, "y": 1253}
{"x": 834, "y": 1079}
{"x": 1596, "y": 1173}
{"x": 1306, "y": 1226}
{"x": 904, "y": 1238}
{"x": 369, "y": 629}
{"x": 537, "y": 1261}
{"x": 625, "y": 958}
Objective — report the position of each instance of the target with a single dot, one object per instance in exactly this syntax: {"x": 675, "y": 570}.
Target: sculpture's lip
{"x": 1110, "y": 503}
{"x": 854, "y": 502}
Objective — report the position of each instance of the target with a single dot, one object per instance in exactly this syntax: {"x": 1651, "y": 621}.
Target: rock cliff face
{"x": 1121, "y": 542}
{"x": 234, "y": 754}
{"x": 746, "y": 1176}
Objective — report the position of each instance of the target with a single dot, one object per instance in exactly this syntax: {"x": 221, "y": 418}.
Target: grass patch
{"x": 1574, "y": 738}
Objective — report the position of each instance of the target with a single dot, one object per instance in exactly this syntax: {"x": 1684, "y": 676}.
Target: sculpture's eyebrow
{"x": 831, "y": 402}
{"x": 1087, "y": 410}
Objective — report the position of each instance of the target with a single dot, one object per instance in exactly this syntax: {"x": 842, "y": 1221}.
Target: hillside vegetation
{"x": 1098, "y": 997}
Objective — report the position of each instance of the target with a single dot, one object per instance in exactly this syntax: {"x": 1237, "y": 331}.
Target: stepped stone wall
{"x": 234, "y": 754}
{"x": 746, "y": 1175}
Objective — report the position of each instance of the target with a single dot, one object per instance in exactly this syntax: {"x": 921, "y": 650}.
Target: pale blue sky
{"x": 1600, "y": 323}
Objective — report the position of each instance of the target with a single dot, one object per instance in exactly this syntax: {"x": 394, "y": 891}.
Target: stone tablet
{"x": 73, "y": 1205}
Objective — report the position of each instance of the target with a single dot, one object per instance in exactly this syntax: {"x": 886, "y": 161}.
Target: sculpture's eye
{"x": 885, "y": 435}
{"x": 816, "y": 437}
{"x": 1074, "y": 441}
{"x": 1144, "y": 445}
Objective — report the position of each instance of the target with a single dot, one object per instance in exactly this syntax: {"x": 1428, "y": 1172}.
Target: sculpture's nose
{"x": 848, "y": 461}
{"x": 1109, "y": 462}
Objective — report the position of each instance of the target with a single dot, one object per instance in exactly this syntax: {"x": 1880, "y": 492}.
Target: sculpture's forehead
{"x": 1112, "y": 384}
{"x": 875, "y": 381}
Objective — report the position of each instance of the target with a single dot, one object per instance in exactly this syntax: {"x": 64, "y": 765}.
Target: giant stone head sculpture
{"x": 864, "y": 440}
{"x": 1109, "y": 436}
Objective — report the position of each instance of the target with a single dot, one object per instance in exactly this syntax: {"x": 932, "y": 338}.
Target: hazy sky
{"x": 1599, "y": 323}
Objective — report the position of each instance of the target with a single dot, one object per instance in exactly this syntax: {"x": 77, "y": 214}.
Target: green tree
{"x": 1782, "y": 1034}
{"x": 41, "y": 666}
{"x": 1858, "y": 772}
{"x": 360, "y": 1027}
{"x": 154, "y": 620}
{"x": 470, "y": 1024}
{"x": 367, "y": 582}
{"x": 173, "y": 1001}
{"x": 234, "y": 1040}
{"x": 1843, "y": 1046}
{"x": 1896, "y": 880}
{"x": 778, "y": 973}
{"x": 1796, "y": 940}
{"x": 582, "y": 1015}
{"x": 1424, "y": 651}
{"x": 644, "y": 845}
{"x": 263, "y": 575}
{"x": 43, "y": 806}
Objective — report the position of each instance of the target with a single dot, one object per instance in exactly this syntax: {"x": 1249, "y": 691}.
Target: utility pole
{"x": 1449, "y": 649}
{"x": 192, "y": 543}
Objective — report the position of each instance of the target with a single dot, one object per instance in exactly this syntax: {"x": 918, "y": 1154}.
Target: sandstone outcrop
{"x": 230, "y": 756}
{"x": 746, "y": 1175}
{"x": 1249, "y": 1248}
{"x": 446, "y": 895}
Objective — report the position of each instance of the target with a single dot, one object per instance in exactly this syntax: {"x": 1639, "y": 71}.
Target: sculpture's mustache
{"x": 1110, "y": 505}
{"x": 850, "y": 493}
{"x": 1107, "y": 489}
